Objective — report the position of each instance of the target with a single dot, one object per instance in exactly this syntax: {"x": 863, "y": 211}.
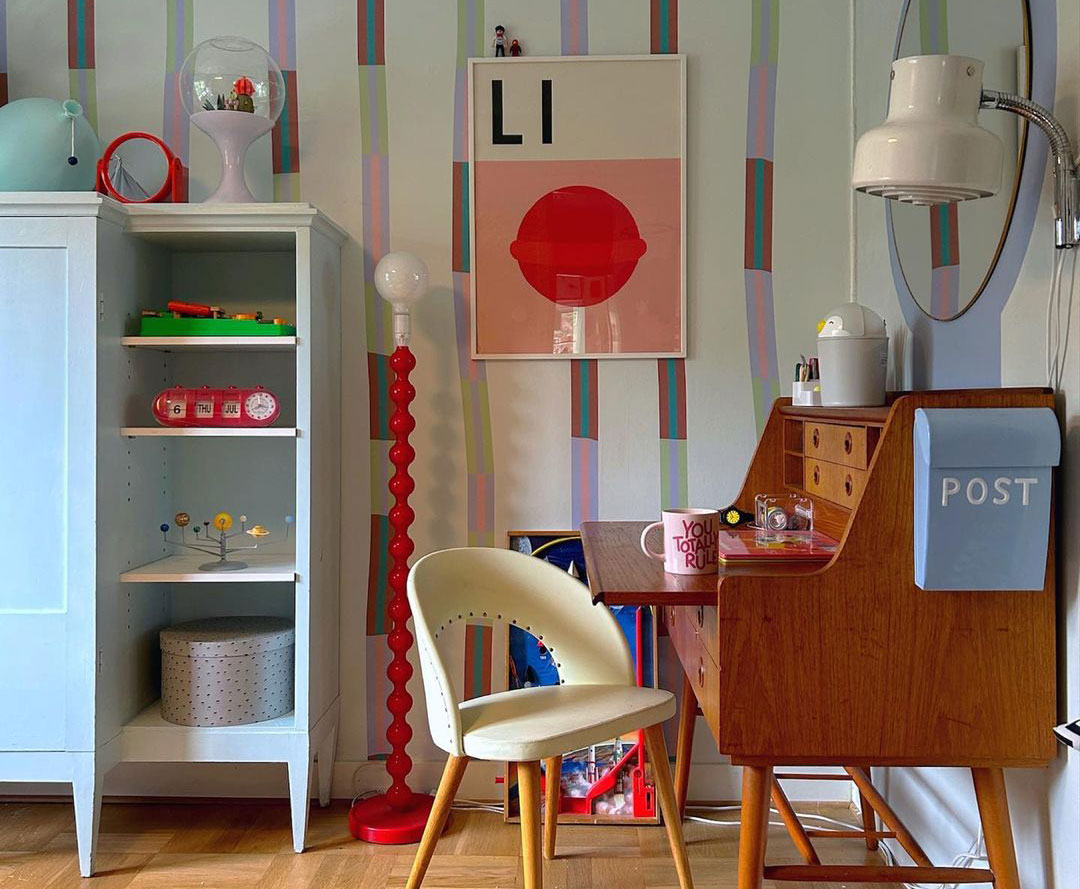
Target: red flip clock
{"x": 181, "y": 406}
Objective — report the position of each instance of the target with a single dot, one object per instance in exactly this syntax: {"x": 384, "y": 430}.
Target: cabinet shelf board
{"x": 262, "y": 568}
{"x": 212, "y": 343}
{"x": 151, "y": 718}
{"x": 208, "y": 432}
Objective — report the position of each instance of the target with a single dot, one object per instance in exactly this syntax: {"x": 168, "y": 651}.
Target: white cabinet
{"x": 86, "y": 478}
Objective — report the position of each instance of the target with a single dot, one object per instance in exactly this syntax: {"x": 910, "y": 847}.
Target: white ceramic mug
{"x": 690, "y": 540}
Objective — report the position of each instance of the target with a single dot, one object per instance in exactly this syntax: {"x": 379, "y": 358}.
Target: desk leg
{"x": 994, "y": 812}
{"x": 684, "y": 747}
{"x": 753, "y": 835}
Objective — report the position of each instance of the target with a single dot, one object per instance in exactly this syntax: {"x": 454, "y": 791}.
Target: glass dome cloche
{"x": 234, "y": 91}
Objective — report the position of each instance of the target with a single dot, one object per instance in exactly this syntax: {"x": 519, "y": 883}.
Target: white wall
{"x": 938, "y": 804}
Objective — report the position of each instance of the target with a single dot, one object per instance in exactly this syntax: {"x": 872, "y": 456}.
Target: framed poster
{"x": 577, "y": 184}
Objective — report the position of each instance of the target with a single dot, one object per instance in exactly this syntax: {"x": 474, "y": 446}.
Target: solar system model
{"x": 207, "y": 542}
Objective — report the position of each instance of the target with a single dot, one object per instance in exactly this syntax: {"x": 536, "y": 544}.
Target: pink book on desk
{"x": 747, "y": 545}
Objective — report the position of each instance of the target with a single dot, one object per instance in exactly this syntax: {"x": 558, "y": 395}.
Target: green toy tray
{"x": 169, "y": 326}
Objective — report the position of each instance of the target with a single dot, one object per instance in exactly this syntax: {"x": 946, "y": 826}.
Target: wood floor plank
{"x": 248, "y": 845}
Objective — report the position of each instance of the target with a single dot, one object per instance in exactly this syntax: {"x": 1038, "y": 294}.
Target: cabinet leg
{"x": 87, "y": 780}
{"x": 684, "y": 746}
{"x": 869, "y": 822}
{"x": 997, "y": 828}
{"x": 300, "y": 795}
{"x": 325, "y": 759}
{"x": 754, "y": 833}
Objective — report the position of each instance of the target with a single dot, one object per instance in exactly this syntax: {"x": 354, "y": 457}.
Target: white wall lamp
{"x": 931, "y": 149}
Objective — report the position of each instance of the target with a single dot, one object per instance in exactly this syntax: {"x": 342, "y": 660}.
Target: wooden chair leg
{"x": 793, "y": 824}
{"x": 529, "y": 799}
{"x": 656, "y": 747}
{"x": 440, "y": 811}
{"x": 869, "y": 822}
{"x": 753, "y": 835}
{"x": 684, "y": 747}
{"x": 888, "y": 817}
{"x": 552, "y": 786}
{"x": 997, "y": 828}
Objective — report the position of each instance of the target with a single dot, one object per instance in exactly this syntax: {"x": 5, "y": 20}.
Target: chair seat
{"x": 530, "y": 724}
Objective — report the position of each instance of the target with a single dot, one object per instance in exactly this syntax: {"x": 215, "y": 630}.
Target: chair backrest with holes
{"x": 476, "y": 584}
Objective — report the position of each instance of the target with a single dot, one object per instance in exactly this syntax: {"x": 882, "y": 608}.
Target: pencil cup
{"x": 807, "y": 394}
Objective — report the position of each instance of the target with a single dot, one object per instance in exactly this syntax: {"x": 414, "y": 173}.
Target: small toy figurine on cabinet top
{"x": 515, "y": 48}
{"x": 500, "y": 41}
{"x": 243, "y": 95}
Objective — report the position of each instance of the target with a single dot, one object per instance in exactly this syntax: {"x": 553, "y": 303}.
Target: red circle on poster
{"x": 578, "y": 245}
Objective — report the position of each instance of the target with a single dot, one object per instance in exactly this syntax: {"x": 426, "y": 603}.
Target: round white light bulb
{"x": 401, "y": 278}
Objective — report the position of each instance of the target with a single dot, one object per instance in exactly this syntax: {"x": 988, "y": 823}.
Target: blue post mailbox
{"x": 983, "y": 485}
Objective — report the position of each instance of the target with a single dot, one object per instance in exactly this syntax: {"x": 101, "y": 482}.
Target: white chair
{"x": 595, "y": 701}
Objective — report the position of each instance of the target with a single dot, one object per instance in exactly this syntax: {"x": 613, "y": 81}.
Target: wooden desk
{"x": 850, "y": 663}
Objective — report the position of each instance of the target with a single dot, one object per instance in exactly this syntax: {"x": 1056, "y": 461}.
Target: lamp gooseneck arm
{"x": 1066, "y": 184}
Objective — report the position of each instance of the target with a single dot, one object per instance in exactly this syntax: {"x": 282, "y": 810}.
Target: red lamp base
{"x": 374, "y": 821}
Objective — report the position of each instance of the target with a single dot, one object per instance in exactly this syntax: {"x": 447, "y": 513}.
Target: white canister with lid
{"x": 853, "y": 350}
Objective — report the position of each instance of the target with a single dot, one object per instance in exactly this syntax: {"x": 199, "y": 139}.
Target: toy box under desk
{"x": 606, "y": 783}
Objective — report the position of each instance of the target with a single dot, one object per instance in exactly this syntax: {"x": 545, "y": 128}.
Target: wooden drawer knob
{"x": 701, "y": 673}
{"x": 700, "y": 616}
{"x": 849, "y": 485}
{"x": 817, "y": 475}
{"x": 815, "y": 438}
{"x": 847, "y": 443}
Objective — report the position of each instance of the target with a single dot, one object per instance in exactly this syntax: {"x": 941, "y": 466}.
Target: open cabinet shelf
{"x": 184, "y": 568}
{"x": 211, "y": 343}
{"x": 208, "y": 432}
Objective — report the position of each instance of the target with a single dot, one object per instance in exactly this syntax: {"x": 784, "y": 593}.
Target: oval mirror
{"x": 947, "y": 252}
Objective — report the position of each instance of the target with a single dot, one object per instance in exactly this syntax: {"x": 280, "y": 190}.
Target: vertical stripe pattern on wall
{"x": 376, "y": 214}
{"x": 584, "y": 382}
{"x": 944, "y": 230}
{"x": 670, "y": 372}
{"x": 761, "y": 112}
{"x": 479, "y": 456}
{"x": 178, "y": 42}
{"x": 574, "y": 19}
{"x": 82, "y": 76}
{"x": 286, "y": 133}
{"x": 584, "y": 442}
{"x": 474, "y": 388}
{"x": 3, "y": 53}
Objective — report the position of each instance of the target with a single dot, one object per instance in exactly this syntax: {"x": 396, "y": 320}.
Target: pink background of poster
{"x": 644, "y": 317}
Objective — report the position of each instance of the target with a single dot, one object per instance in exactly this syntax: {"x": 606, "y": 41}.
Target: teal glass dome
{"x": 37, "y": 148}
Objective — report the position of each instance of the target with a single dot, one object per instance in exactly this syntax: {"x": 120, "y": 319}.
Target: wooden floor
{"x": 248, "y": 846}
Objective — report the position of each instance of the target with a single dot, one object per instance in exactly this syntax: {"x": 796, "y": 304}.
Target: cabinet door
{"x": 48, "y": 314}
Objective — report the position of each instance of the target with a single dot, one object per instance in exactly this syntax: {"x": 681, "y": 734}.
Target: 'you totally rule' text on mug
{"x": 690, "y": 540}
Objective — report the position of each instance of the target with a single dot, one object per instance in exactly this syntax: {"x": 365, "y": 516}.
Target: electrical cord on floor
{"x": 975, "y": 854}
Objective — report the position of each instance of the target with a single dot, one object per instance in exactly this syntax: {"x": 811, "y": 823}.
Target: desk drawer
{"x": 698, "y": 665}
{"x": 831, "y": 481}
{"x": 833, "y": 443}
{"x": 703, "y": 618}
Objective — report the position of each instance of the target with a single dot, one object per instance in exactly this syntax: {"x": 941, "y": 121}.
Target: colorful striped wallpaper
{"x": 3, "y": 53}
{"x": 758, "y": 260}
{"x": 375, "y": 164}
{"x": 537, "y": 480}
{"x": 475, "y": 402}
{"x": 286, "y": 133}
{"x": 670, "y": 372}
{"x": 81, "y": 57}
{"x": 175, "y": 129}
{"x": 944, "y": 222}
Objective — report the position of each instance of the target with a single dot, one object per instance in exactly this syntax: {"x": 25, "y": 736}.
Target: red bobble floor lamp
{"x": 399, "y": 815}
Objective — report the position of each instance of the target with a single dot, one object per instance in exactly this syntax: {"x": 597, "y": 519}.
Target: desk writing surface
{"x": 621, "y": 574}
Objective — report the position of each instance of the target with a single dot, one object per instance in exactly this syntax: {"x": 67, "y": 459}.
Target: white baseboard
{"x": 713, "y": 782}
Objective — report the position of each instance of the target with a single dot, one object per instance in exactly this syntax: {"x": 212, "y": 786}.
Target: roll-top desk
{"x": 850, "y": 663}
